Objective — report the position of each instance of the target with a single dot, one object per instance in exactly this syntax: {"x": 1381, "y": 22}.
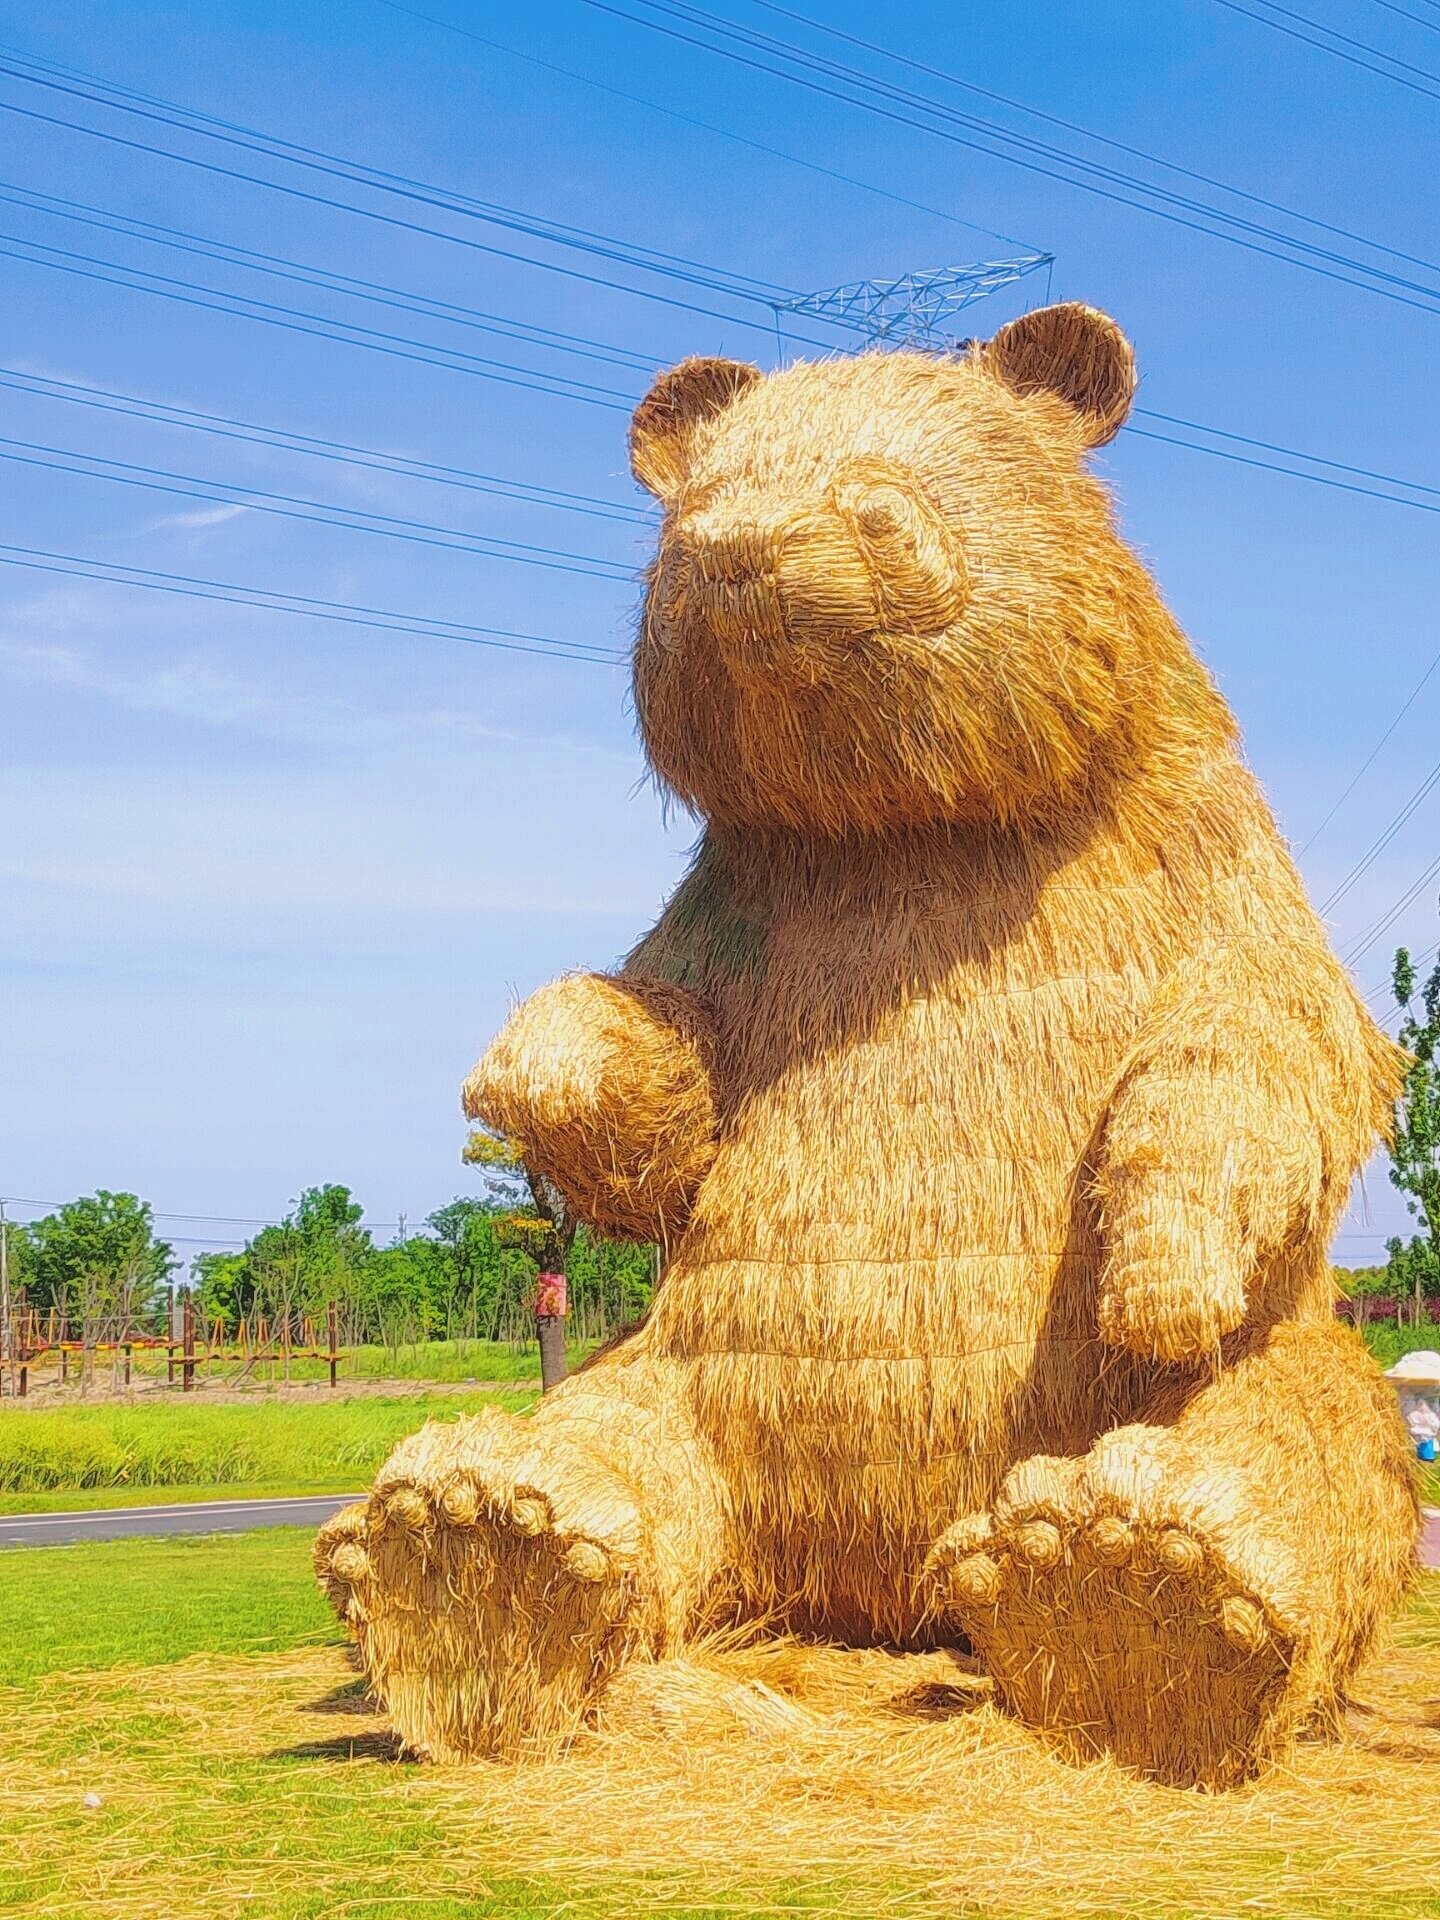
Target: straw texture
{"x": 996, "y": 1092}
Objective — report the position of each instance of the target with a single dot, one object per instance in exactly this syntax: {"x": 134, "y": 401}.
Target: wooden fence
{"x": 42, "y": 1340}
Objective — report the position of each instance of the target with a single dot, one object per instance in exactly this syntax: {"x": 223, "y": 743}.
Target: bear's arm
{"x": 1256, "y": 1090}
{"x": 606, "y": 1081}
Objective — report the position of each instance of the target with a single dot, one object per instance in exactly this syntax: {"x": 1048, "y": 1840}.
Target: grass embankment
{"x": 242, "y": 1769}
{"x": 172, "y": 1450}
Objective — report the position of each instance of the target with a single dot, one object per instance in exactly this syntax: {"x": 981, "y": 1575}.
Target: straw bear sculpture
{"x": 993, "y": 1092}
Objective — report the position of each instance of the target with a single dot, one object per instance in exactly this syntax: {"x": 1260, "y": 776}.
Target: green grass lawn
{"x": 1389, "y": 1343}
{"x": 111, "y": 1603}
{"x": 275, "y": 1445}
{"x": 200, "y": 1692}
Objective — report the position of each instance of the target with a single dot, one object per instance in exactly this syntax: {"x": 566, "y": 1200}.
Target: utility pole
{"x": 7, "y": 1330}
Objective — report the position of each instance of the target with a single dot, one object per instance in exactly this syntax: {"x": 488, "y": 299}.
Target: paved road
{"x": 211, "y": 1516}
{"x": 238, "y": 1516}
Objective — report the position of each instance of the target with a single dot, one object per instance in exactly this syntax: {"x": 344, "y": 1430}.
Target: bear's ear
{"x": 665, "y": 420}
{"x": 1074, "y": 352}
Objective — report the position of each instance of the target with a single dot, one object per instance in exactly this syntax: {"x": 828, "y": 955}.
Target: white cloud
{"x": 202, "y": 517}
{"x": 301, "y": 791}
{"x": 173, "y": 675}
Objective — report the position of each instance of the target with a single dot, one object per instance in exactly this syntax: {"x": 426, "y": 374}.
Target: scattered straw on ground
{"x": 788, "y": 1781}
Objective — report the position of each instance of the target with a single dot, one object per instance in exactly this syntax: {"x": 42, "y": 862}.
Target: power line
{"x": 173, "y": 113}
{"x": 717, "y": 280}
{"x": 293, "y": 507}
{"x": 1338, "y": 52}
{"x": 178, "y": 240}
{"x": 195, "y": 1219}
{"x": 1294, "y": 453}
{"x": 1086, "y": 133}
{"x": 626, "y": 401}
{"x": 1233, "y": 228}
{"x": 707, "y": 126}
{"x": 1374, "y": 753}
{"x": 561, "y": 387}
{"x": 271, "y": 600}
{"x": 1431, "y": 26}
{"x": 132, "y": 407}
{"x": 1294, "y": 473}
{"x": 1388, "y": 919}
{"x": 1382, "y": 839}
{"x": 125, "y": 100}
{"x": 331, "y": 329}
{"x": 192, "y": 293}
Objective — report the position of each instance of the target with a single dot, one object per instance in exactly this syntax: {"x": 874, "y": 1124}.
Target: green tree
{"x": 318, "y": 1253}
{"x": 98, "y": 1257}
{"x": 540, "y": 1221}
{"x": 1361, "y": 1285}
{"x": 1414, "y": 1267}
{"x": 221, "y": 1287}
{"x": 466, "y": 1231}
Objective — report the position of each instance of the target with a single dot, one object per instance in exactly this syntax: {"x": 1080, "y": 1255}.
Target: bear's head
{"x": 887, "y": 592}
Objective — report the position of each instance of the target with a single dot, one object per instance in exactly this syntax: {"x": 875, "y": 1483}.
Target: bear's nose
{"x": 872, "y": 559}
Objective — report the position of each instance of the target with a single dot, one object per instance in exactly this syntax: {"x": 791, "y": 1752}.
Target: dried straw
{"x": 876, "y": 1785}
{"x": 996, "y": 1091}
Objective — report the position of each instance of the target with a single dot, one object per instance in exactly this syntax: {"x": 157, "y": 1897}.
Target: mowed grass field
{"x": 200, "y": 1695}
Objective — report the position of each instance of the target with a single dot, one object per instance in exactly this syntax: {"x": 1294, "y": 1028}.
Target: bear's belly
{"x": 886, "y": 1294}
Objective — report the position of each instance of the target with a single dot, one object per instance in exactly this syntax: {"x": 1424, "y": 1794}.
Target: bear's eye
{"x": 881, "y": 511}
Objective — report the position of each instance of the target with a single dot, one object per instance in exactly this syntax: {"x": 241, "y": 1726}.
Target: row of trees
{"x": 94, "y": 1260}
{"x": 471, "y": 1270}
{"x": 470, "y": 1273}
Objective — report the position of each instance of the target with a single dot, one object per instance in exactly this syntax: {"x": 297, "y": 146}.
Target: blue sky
{"x": 267, "y": 884}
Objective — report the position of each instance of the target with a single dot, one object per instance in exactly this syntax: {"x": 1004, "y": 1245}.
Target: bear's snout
{"x": 874, "y": 559}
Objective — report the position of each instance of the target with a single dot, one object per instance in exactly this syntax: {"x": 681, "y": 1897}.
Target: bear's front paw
{"x": 1172, "y": 1286}
{"x": 499, "y": 1585}
{"x": 547, "y": 1067}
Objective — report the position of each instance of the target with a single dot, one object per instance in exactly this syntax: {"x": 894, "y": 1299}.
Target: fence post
{"x": 127, "y": 1363}
{"x": 187, "y": 1384}
{"x": 334, "y": 1333}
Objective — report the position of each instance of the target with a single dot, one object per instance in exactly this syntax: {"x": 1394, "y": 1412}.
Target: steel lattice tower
{"x": 918, "y": 309}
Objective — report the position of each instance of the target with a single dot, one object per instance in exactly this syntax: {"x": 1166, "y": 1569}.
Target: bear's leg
{"x": 1196, "y": 1585}
{"x": 511, "y": 1565}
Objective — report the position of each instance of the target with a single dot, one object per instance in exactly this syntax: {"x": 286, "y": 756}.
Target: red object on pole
{"x": 550, "y": 1296}
{"x": 551, "y": 1305}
